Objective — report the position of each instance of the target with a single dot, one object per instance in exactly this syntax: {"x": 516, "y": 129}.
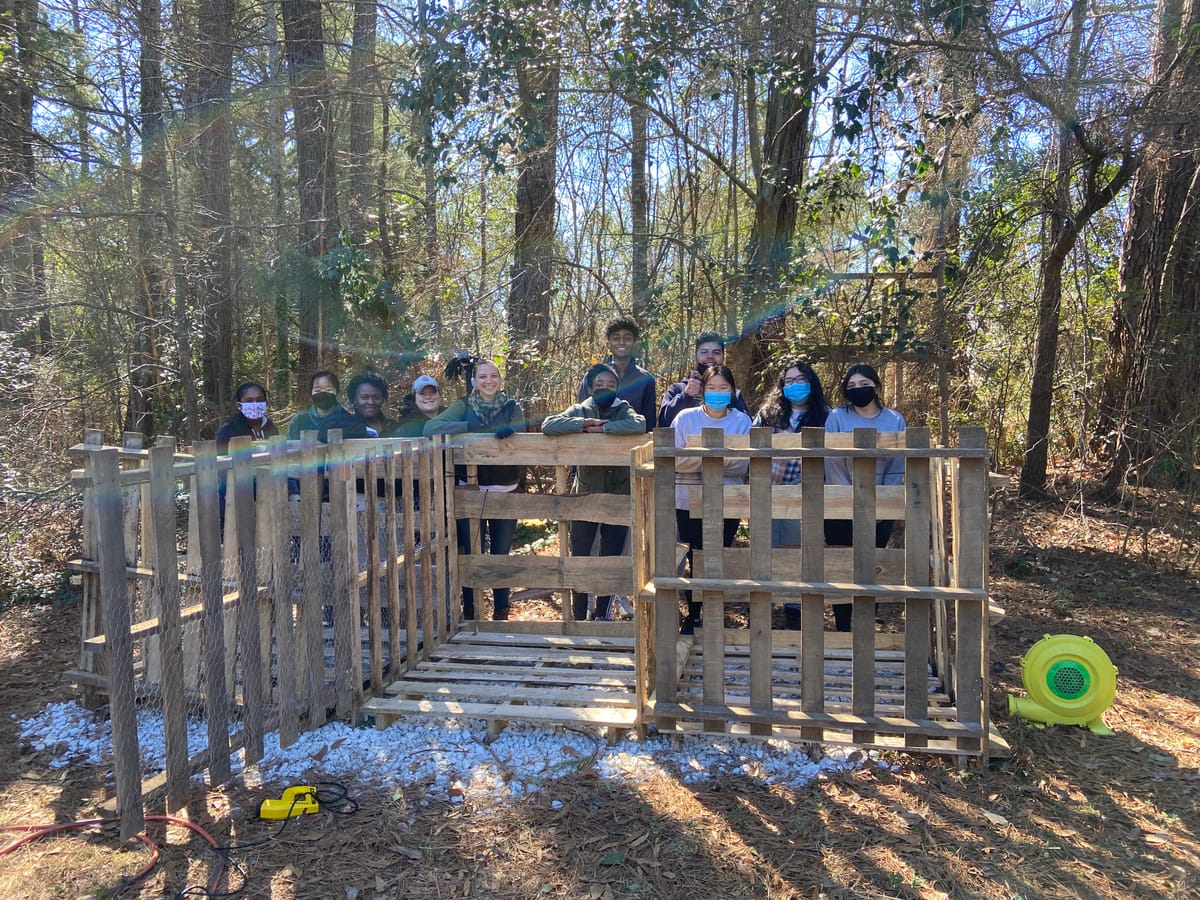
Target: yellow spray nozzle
{"x": 296, "y": 801}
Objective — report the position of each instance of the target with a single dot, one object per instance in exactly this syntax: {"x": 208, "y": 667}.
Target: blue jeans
{"x": 497, "y": 538}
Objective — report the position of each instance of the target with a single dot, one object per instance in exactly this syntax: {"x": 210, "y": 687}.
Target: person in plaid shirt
{"x": 796, "y": 401}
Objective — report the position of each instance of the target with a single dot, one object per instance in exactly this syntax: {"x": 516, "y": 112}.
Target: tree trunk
{"x": 1063, "y": 225}
{"x": 786, "y": 138}
{"x": 150, "y": 277}
{"x": 22, "y": 277}
{"x": 214, "y": 283}
{"x": 1150, "y": 415}
{"x": 304, "y": 41}
{"x": 639, "y": 202}
{"x": 361, "y": 84}
{"x": 530, "y": 291}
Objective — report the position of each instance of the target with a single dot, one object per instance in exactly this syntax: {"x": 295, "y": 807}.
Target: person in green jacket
{"x": 601, "y": 413}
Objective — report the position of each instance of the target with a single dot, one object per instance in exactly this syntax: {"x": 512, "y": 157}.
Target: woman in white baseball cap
{"x": 418, "y": 407}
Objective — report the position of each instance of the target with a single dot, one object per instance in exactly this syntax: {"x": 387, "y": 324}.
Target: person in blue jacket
{"x": 604, "y": 412}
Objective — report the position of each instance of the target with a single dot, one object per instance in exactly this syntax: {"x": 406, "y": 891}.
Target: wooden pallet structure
{"x": 349, "y": 604}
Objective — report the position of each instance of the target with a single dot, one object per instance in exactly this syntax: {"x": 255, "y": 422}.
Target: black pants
{"x": 496, "y": 536}
{"x": 612, "y": 542}
{"x": 691, "y": 532}
{"x": 840, "y": 533}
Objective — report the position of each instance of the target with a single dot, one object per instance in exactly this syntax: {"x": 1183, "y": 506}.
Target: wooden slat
{"x": 535, "y": 450}
{"x": 310, "y": 620}
{"x": 863, "y": 621}
{"x": 834, "y": 591}
{"x": 541, "y": 695}
{"x": 411, "y": 618}
{"x": 373, "y": 470}
{"x": 917, "y": 572}
{"x": 970, "y": 527}
{"x": 788, "y": 565}
{"x": 274, "y": 489}
{"x": 434, "y": 615}
{"x": 114, "y": 592}
{"x": 712, "y": 474}
{"x": 788, "y": 501}
{"x": 347, "y": 641}
{"x": 253, "y": 703}
{"x": 606, "y": 508}
{"x": 760, "y": 567}
{"x": 813, "y": 564}
{"x": 394, "y": 571}
{"x": 554, "y": 715}
{"x": 166, "y": 590}
{"x": 216, "y": 698}
{"x": 601, "y": 575}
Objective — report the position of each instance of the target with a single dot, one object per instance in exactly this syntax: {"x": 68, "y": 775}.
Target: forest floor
{"x": 1068, "y": 814}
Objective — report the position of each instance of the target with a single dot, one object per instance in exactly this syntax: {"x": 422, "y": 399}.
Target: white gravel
{"x": 452, "y": 759}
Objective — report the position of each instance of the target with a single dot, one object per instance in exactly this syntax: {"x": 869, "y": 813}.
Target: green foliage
{"x": 372, "y": 318}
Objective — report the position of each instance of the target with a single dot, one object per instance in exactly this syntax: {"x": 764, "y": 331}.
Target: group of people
{"x": 616, "y": 396}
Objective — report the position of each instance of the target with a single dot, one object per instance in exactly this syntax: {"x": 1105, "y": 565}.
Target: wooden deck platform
{"x": 553, "y": 678}
{"x": 518, "y": 674}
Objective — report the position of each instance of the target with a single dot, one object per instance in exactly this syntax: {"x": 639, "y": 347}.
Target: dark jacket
{"x": 412, "y": 421}
{"x": 351, "y": 424}
{"x": 676, "y": 400}
{"x": 238, "y": 425}
{"x": 459, "y": 419}
{"x": 620, "y": 418}
{"x": 636, "y": 387}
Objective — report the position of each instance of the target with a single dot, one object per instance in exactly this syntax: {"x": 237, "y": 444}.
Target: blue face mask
{"x": 717, "y": 400}
{"x": 797, "y": 392}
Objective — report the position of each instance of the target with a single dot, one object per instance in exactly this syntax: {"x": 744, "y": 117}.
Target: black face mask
{"x": 861, "y": 396}
{"x": 604, "y": 399}
{"x": 324, "y": 400}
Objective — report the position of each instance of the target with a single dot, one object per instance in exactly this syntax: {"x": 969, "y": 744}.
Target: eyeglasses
{"x": 790, "y": 381}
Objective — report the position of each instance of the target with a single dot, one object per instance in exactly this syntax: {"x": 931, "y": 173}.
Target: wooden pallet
{"x": 501, "y": 676}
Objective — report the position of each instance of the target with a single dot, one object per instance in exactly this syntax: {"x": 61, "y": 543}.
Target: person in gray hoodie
{"x": 601, "y": 413}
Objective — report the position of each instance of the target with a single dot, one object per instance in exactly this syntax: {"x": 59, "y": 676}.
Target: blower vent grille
{"x": 1068, "y": 679}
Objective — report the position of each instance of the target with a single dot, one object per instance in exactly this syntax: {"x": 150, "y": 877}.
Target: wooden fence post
{"x": 666, "y": 600}
{"x": 761, "y": 609}
{"x": 311, "y": 553}
{"x": 970, "y": 526}
{"x": 916, "y": 572}
{"x": 105, "y": 475}
{"x": 282, "y": 586}
{"x": 166, "y": 600}
{"x": 343, "y": 539}
{"x": 250, "y": 646}
{"x": 812, "y": 569}
{"x": 863, "y": 621}
{"x": 216, "y": 698}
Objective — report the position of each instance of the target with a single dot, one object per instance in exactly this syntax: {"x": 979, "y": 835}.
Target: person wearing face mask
{"x": 486, "y": 410}
{"x": 797, "y": 400}
{"x": 250, "y": 421}
{"x": 251, "y": 418}
{"x": 636, "y": 384}
{"x": 863, "y": 409}
{"x": 326, "y": 413}
{"x": 367, "y": 395}
{"x": 688, "y": 394}
{"x": 718, "y": 390}
{"x": 601, "y": 413}
{"x": 417, "y": 408}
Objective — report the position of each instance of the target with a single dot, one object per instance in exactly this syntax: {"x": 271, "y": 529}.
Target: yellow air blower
{"x": 1069, "y": 680}
{"x": 296, "y": 801}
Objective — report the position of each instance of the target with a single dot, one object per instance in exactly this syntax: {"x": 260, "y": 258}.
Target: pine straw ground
{"x": 1069, "y": 814}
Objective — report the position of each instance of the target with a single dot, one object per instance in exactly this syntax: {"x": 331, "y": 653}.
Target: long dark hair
{"x": 776, "y": 409}
{"x": 866, "y": 371}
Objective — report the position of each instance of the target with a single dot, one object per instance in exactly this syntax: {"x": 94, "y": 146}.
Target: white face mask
{"x": 254, "y": 410}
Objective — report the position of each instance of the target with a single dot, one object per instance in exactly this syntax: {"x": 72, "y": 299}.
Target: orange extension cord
{"x": 40, "y": 831}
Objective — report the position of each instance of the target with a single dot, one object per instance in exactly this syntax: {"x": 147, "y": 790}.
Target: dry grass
{"x": 1070, "y": 814}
